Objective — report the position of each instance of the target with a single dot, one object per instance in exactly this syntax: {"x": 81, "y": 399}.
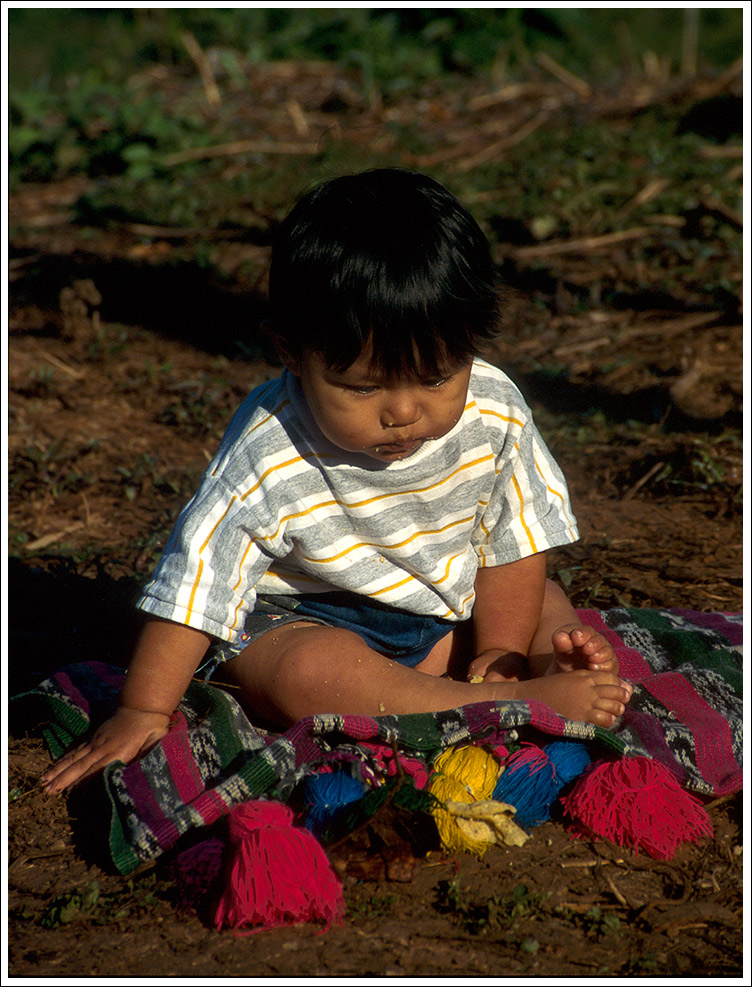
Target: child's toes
{"x": 579, "y": 637}
{"x": 563, "y": 642}
{"x": 604, "y": 660}
{"x": 600, "y": 657}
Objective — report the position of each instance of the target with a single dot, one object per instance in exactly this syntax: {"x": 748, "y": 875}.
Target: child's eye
{"x": 437, "y": 381}
{"x": 365, "y": 389}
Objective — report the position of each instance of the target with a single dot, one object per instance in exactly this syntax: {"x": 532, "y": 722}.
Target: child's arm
{"x": 164, "y": 662}
{"x": 507, "y": 610}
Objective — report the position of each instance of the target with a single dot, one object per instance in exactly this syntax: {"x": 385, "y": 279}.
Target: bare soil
{"x": 123, "y": 374}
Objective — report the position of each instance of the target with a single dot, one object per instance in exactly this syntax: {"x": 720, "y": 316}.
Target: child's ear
{"x": 288, "y": 358}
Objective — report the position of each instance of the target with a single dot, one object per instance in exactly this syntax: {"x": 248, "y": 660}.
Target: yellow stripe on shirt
{"x": 556, "y": 493}
{"x": 527, "y": 530}
{"x": 378, "y": 498}
{"x": 399, "y": 544}
{"x": 504, "y": 418}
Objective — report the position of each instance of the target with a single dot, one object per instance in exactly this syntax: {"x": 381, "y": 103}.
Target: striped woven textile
{"x": 686, "y": 712}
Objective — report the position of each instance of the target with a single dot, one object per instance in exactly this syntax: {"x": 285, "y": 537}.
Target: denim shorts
{"x": 405, "y": 637}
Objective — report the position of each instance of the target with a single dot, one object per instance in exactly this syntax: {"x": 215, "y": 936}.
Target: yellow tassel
{"x": 464, "y": 776}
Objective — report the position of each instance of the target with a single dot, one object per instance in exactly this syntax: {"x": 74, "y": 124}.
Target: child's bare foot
{"x": 579, "y": 646}
{"x": 494, "y": 667}
{"x": 582, "y": 694}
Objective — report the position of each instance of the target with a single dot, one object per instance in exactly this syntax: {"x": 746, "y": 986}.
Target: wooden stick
{"x": 673, "y": 327}
{"x": 716, "y": 206}
{"x": 176, "y": 233}
{"x": 646, "y": 194}
{"x": 690, "y": 39}
{"x": 574, "y": 82}
{"x": 511, "y": 140}
{"x": 584, "y": 244}
{"x": 50, "y": 539}
{"x": 204, "y": 68}
{"x": 656, "y": 468}
{"x": 721, "y": 151}
{"x": 76, "y": 374}
{"x": 718, "y": 85}
{"x": 513, "y": 91}
{"x": 298, "y": 117}
{"x": 239, "y": 147}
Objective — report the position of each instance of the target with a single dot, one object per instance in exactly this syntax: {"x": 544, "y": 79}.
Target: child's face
{"x": 360, "y": 410}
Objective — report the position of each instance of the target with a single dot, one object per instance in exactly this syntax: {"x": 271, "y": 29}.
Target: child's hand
{"x": 124, "y": 737}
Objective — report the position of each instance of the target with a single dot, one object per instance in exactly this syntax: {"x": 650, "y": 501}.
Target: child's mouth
{"x": 397, "y": 450}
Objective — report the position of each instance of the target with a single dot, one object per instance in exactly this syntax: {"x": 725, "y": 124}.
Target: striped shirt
{"x": 282, "y": 510}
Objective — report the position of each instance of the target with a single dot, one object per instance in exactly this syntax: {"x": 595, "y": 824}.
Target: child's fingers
{"x": 74, "y": 767}
{"x": 94, "y": 756}
{"x": 65, "y": 762}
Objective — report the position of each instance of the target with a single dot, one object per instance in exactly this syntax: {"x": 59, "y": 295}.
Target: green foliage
{"x": 566, "y": 179}
{"x": 95, "y": 128}
{"x": 392, "y": 47}
{"x": 641, "y": 965}
{"x": 493, "y": 913}
{"x": 136, "y": 897}
{"x": 375, "y": 906}
{"x": 598, "y": 923}
{"x": 573, "y": 179}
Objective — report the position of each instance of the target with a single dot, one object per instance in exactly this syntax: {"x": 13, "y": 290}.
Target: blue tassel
{"x": 532, "y": 778}
{"x": 569, "y": 758}
{"x": 327, "y": 793}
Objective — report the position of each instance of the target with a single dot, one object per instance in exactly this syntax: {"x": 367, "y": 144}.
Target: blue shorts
{"x": 406, "y": 637}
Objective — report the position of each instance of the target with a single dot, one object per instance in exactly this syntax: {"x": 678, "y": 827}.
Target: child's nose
{"x": 400, "y": 410}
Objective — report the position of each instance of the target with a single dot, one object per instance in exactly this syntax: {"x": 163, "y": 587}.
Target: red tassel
{"x": 279, "y": 874}
{"x": 636, "y": 802}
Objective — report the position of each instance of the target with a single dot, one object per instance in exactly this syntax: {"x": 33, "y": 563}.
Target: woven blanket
{"x": 686, "y": 713}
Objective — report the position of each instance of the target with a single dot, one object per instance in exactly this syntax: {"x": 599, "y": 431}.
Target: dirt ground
{"x": 124, "y": 370}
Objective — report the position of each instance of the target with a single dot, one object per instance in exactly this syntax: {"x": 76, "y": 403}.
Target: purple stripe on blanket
{"x": 719, "y": 622}
{"x": 210, "y": 806}
{"x": 110, "y": 674}
{"x": 177, "y": 749}
{"x": 73, "y": 694}
{"x": 712, "y": 736}
{"x": 150, "y": 810}
{"x": 652, "y": 735}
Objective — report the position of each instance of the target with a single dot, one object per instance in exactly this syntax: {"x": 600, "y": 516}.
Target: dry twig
{"x": 201, "y": 62}
{"x": 569, "y": 79}
{"x": 239, "y": 147}
{"x": 580, "y": 245}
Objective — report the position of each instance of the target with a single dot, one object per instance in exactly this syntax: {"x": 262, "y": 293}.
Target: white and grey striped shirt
{"x": 282, "y": 510}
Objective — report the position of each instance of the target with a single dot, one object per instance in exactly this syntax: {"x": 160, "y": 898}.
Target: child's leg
{"x": 303, "y": 669}
{"x": 562, "y": 643}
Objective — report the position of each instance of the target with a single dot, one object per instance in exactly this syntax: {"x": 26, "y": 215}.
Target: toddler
{"x": 370, "y": 537}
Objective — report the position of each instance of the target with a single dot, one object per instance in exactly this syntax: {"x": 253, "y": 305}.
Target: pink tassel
{"x": 636, "y": 802}
{"x": 279, "y": 874}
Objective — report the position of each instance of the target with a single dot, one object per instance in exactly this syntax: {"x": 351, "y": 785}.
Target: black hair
{"x": 387, "y": 259}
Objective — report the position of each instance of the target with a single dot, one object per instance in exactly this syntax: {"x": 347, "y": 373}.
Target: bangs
{"x": 400, "y": 347}
{"x": 387, "y": 262}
